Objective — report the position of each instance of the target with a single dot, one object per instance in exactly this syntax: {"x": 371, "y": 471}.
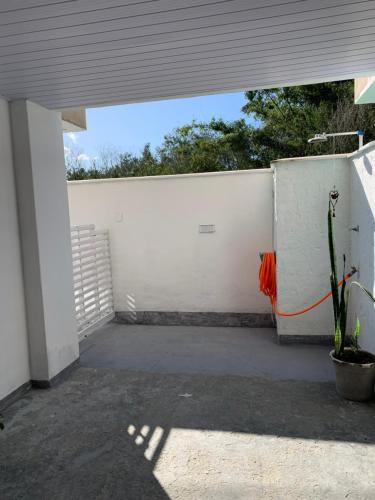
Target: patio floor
{"x": 190, "y": 413}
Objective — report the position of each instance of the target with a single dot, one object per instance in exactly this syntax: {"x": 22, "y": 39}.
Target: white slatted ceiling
{"x": 65, "y": 53}
{"x": 92, "y": 275}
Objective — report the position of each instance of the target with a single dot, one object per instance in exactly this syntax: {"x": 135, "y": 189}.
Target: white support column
{"x": 45, "y": 237}
{"x": 14, "y": 355}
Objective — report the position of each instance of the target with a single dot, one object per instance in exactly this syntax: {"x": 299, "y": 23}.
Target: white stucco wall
{"x": 363, "y": 245}
{"x": 160, "y": 260}
{"x": 14, "y": 362}
{"x": 302, "y": 187}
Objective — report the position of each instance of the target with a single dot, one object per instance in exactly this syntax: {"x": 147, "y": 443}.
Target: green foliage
{"x": 343, "y": 310}
{"x": 333, "y": 276}
{"x": 289, "y": 116}
{"x": 338, "y": 339}
{"x": 340, "y": 300}
{"x": 207, "y": 147}
{"x": 116, "y": 165}
{"x": 285, "y": 119}
{"x": 355, "y": 335}
{"x": 194, "y": 148}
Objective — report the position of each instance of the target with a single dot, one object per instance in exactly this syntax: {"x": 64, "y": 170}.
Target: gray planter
{"x": 354, "y": 381}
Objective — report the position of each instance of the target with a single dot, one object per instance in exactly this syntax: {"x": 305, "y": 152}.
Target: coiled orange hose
{"x": 267, "y": 285}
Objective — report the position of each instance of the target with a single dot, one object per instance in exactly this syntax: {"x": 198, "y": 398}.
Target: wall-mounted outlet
{"x": 119, "y": 216}
{"x": 207, "y": 228}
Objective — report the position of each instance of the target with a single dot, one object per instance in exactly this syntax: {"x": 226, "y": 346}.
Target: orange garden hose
{"x": 267, "y": 285}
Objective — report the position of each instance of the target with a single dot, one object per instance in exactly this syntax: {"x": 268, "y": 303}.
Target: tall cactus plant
{"x": 340, "y": 300}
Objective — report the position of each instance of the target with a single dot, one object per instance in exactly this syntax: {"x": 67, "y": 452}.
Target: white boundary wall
{"x": 301, "y": 201}
{"x": 160, "y": 261}
{"x": 302, "y": 188}
{"x": 362, "y": 185}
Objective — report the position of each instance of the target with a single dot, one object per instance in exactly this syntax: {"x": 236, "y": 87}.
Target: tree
{"x": 73, "y": 157}
{"x": 197, "y": 147}
{"x": 289, "y": 116}
{"x": 207, "y": 147}
{"x": 285, "y": 119}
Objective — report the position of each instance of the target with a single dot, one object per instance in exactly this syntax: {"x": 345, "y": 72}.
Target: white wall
{"x": 302, "y": 188}
{"x": 160, "y": 261}
{"x": 14, "y": 362}
{"x": 363, "y": 247}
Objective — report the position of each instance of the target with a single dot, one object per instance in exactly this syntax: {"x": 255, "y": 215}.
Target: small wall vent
{"x": 207, "y": 228}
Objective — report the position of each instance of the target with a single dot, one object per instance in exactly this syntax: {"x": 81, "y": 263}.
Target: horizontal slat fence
{"x": 92, "y": 276}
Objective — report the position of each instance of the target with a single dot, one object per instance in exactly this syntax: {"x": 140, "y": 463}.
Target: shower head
{"x": 318, "y": 138}
{"x": 324, "y": 137}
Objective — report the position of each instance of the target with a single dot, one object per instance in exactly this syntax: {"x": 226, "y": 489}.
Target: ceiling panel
{"x": 67, "y": 53}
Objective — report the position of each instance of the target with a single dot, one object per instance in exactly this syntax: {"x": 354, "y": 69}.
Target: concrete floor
{"x": 248, "y": 352}
{"x": 139, "y": 425}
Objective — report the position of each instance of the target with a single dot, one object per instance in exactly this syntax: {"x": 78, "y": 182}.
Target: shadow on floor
{"x": 102, "y": 433}
{"x": 117, "y": 434}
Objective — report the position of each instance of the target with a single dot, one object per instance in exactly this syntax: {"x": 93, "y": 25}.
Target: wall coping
{"x": 283, "y": 161}
{"x": 253, "y": 171}
{"x": 365, "y": 149}
{"x": 358, "y": 152}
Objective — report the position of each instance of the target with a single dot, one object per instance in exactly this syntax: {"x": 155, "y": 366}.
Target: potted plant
{"x": 355, "y": 368}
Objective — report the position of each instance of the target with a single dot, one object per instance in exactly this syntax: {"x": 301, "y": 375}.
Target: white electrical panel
{"x": 207, "y": 228}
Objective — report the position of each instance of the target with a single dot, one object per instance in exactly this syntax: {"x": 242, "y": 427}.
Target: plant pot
{"x": 355, "y": 381}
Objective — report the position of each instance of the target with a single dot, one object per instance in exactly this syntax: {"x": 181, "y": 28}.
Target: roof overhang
{"x": 65, "y": 53}
{"x": 74, "y": 120}
{"x": 364, "y": 90}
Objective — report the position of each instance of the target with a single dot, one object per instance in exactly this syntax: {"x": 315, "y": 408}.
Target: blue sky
{"x": 130, "y": 127}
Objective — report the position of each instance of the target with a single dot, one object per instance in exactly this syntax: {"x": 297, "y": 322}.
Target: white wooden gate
{"x": 92, "y": 277}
